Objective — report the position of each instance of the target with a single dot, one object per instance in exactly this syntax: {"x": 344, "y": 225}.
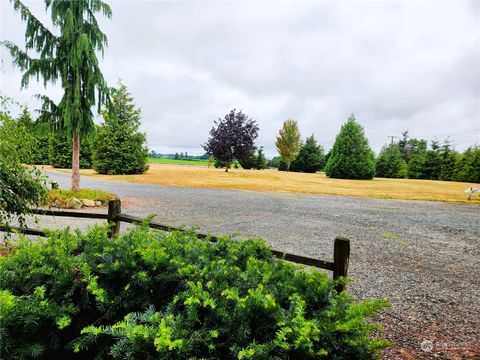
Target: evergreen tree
{"x": 289, "y": 142}
{"x": 120, "y": 148}
{"x": 310, "y": 159}
{"x": 69, "y": 57}
{"x": 433, "y": 161}
{"x": 351, "y": 156}
{"x": 261, "y": 161}
{"x": 249, "y": 160}
{"x": 468, "y": 167}
{"x": 416, "y": 166}
{"x": 60, "y": 152}
{"x": 390, "y": 163}
{"x": 449, "y": 164}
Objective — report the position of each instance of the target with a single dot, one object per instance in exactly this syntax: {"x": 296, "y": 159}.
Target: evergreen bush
{"x": 151, "y": 294}
{"x": 390, "y": 163}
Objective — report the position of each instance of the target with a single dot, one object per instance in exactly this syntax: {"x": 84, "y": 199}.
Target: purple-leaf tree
{"x": 232, "y": 138}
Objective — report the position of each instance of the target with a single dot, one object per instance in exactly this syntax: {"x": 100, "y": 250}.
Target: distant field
{"x": 178, "y": 162}
{"x": 291, "y": 182}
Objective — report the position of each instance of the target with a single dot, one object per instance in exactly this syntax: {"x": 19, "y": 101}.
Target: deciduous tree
{"x": 289, "y": 142}
{"x": 232, "y": 138}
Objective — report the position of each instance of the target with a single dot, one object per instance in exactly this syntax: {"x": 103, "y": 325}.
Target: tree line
{"x": 233, "y": 138}
{"x": 116, "y": 146}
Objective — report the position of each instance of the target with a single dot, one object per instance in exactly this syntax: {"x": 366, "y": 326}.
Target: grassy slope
{"x": 177, "y": 162}
{"x": 279, "y": 181}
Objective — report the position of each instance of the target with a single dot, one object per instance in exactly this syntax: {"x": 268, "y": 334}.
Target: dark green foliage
{"x": 255, "y": 160}
{"x": 310, "y": 159}
{"x": 276, "y": 162}
{"x": 468, "y": 166}
{"x": 417, "y": 165}
{"x": 351, "y": 156}
{"x": 390, "y": 163}
{"x": 20, "y": 188}
{"x": 433, "y": 162}
{"x": 449, "y": 164}
{"x": 409, "y": 147}
{"x": 119, "y": 146}
{"x": 150, "y": 294}
{"x": 60, "y": 152}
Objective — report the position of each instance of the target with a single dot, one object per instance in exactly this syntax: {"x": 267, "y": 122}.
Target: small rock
{"x": 88, "y": 203}
{"x": 57, "y": 204}
{"x": 74, "y": 203}
{"x": 98, "y": 203}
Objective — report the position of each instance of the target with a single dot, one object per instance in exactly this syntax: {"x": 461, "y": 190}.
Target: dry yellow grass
{"x": 280, "y": 181}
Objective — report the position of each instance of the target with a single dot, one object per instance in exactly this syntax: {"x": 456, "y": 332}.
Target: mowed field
{"x": 280, "y": 181}
{"x": 177, "y": 161}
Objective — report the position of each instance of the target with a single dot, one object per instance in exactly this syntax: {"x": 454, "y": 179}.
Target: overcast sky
{"x": 397, "y": 65}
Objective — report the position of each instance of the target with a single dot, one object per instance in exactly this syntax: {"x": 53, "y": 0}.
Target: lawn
{"x": 290, "y": 182}
{"x": 178, "y": 162}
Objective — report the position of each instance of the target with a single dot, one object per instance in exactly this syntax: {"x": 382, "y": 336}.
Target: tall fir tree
{"x": 351, "y": 156}
{"x": 311, "y": 158}
{"x": 69, "y": 57}
{"x": 119, "y": 146}
{"x": 390, "y": 163}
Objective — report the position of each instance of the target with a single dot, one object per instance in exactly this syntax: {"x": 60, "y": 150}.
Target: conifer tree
{"x": 390, "y": 163}
{"x": 351, "y": 156}
{"x": 310, "y": 159}
{"x": 69, "y": 57}
{"x": 119, "y": 146}
{"x": 289, "y": 142}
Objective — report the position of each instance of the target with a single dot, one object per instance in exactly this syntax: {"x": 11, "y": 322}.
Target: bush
{"x": 351, "y": 156}
{"x": 151, "y": 294}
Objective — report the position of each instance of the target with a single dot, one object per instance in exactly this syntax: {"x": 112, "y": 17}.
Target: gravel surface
{"x": 422, "y": 256}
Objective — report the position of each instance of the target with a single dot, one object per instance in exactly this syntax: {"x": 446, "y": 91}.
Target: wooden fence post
{"x": 114, "y": 209}
{"x": 341, "y": 256}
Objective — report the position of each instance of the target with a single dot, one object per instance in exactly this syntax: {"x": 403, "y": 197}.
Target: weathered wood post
{"x": 341, "y": 257}
{"x": 114, "y": 209}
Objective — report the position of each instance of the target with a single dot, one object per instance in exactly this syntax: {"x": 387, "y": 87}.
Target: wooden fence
{"x": 341, "y": 247}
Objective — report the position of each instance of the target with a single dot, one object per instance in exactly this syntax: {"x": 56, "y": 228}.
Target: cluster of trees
{"x": 350, "y": 157}
{"x": 416, "y": 159}
{"x": 114, "y": 147}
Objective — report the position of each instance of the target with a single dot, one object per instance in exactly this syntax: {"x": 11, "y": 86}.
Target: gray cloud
{"x": 396, "y": 65}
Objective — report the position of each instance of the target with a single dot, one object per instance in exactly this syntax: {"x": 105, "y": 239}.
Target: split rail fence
{"x": 341, "y": 247}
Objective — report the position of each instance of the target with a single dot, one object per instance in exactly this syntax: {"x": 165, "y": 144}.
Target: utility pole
{"x": 392, "y": 138}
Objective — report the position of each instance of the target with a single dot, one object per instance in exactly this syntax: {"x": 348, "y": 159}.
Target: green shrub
{"x": 151, "y": 294}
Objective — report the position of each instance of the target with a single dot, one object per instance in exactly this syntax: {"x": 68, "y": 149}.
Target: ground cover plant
{"x": 61, "y": 196}
{"x": 151, "y": 294}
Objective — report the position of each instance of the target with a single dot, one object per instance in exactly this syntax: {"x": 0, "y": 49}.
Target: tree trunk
{"x": 76, "y": 162}
{"x": 227, "y": 165}
{"x": 287, "y": 163}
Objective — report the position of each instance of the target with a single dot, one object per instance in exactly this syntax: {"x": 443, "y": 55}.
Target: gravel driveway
{"x": 422, "y": 256}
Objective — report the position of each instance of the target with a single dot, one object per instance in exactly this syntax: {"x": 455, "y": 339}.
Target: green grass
{"x": 178, "y": 162}
{"x": 63, "y": 195}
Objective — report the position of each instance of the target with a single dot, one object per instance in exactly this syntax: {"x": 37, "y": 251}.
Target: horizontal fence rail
{"x": 341, "y": 248}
